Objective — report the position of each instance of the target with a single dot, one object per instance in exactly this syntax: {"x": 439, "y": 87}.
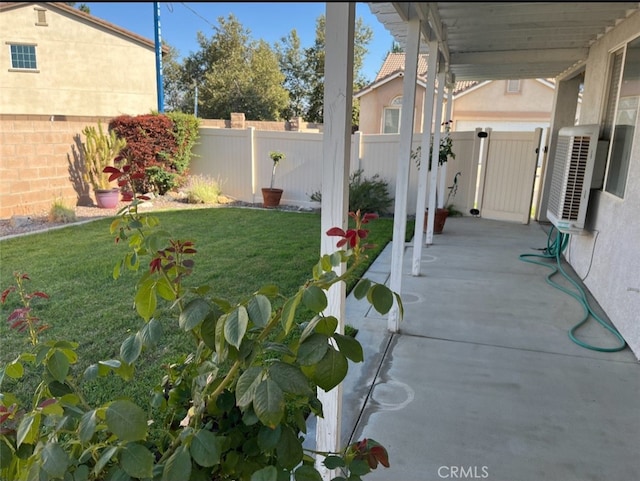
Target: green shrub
{"x": 365, "y": 194}
{"x": 59, "y": 212}
{"x": 186, "y": 131}
{"x": 161, "y": 181}
{"x": 201, "y": 189}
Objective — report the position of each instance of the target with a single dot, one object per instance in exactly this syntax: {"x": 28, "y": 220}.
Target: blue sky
{"x": 270, "y": 21}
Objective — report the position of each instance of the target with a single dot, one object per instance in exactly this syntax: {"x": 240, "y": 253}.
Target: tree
{"x": 291, "y": 59}
{"x": 315, "y": 68}
{"x": 174, "y": 88}
{"x": 83, "y": 6}
{"x": 235, "y": 74}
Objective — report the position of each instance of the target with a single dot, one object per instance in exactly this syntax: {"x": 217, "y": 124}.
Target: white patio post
{"x": 421, "y": 202}
{"x": 404, "y": 159}
{"x": 433, "y": 180}
{"x": 442, "y": 190}
{"x": 336, "y": 148}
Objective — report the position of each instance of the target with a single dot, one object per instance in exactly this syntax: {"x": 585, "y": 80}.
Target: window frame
{"x": 616, "y": 176}
{"x": 394, "y": 105}
{"x": 512, "y": 91}
{"x": 14, "y": 68}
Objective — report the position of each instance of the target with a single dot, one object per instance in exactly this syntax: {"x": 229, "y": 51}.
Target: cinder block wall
{"x": 39, "y": 163}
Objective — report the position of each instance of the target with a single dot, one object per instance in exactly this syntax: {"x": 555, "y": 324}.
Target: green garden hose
{"x": 554, "y": 249}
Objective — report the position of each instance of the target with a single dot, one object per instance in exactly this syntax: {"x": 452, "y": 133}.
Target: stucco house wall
{"x": 490, "y": 105}
{"x": 608, "y": 255}
{"x": 373, "y": 104}
{"x": 487, "y": 104}
{"x": 85, "y": 66}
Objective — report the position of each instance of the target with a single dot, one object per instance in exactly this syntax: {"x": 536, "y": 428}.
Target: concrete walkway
{"x": 482, "y": 381}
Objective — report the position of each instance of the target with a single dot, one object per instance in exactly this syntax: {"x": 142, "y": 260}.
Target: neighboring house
{"x": 513, "y": 105}
{"x": 57, "y": 60}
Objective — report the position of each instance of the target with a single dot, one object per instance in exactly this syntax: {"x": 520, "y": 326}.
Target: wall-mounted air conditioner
{"x": 578, "y": 167}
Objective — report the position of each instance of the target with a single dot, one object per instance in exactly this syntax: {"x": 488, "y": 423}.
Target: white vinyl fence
{"x": 239, "y": 160}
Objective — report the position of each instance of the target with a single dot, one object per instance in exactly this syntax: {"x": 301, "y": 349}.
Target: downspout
{"x": 158, "y": 37}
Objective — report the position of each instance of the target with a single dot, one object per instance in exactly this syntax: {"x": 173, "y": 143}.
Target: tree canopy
{"x": 235, "y": 73}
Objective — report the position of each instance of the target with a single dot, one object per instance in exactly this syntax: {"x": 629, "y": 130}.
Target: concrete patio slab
{"x": 482, "y": 381}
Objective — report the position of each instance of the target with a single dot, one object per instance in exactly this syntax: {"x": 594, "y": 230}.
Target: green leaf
{"x": 289, "y": 312}
{"x": 146, "y": 300}
{"x": 15, "y": 370}
{"x": 193, "y": 314}
{"x": 54, "y": 460}
{"x": 312, "y": 349}
{"x": 268, "y": 403}
{"x": 137, "y": 461}
{"x": 247, "y": 384}
{"x": 268, "y": 473}
{"x": 259, "y": 309}
{"x": 307, "y": 473}
{"x": 381, "y": 298}
{"x": 206, "y": 448}
{"x": 289, "y": 449}
{"x": 333, "y": 462}
{"x": 349, "y": 347}
{"x": 331, "y": 370}
{"x": 269, "y": 290}
{"x": 235, "y": 326}
{"x": 165, "y": 289}
{"x": 6, "y": 454}
{"x": 81, "y": 473}
{"x": 28, "y": 429}
{"x": 268, "y": 437}
{"x": 104, "y": 459}
{"x": 178, "y": 466}
{"x": 315, "y": 299}
{"x": 127, "y": 421}
{"x": 87, "y": 426}
{"x": 221, "y": 345}
{"x": 58, "y": 366}
{"x": 208, "y": 331}
{"x": 131, "y": 348}
{"x": 289, "y": 378}
{"x": 359, "y": 467}
{"x": 151, "y": 333}
{"x": 361, "y": 289}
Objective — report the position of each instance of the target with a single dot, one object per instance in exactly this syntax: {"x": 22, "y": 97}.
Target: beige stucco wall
{"x": 83, "y": 68}
{"x": 372, "y": 106}
{"x": 486, "y": 106}
{"x": 609, "y": 253}
{"x": 491, "y": 102}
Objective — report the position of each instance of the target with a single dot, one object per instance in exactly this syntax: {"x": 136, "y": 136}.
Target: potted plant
{"x": 445, "y": 152}
{"x": 271, "y": 196}
{"x": 100, "y": 149}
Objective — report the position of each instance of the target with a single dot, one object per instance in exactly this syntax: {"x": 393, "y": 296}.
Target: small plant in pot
{"x": 445, "y": 152}
{"x": 271, "y": 196}
{"x": 100, "y": 149}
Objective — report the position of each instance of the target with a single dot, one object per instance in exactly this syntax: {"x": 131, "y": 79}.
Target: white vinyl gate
{"x": 507, "y": 175}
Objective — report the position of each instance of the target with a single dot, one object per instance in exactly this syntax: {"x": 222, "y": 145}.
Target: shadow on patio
{"x": 482, "y": 381}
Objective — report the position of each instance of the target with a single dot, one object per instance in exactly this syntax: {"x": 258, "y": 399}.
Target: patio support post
{"x": 421, "y": 202}
{"x": 404, "y": 159}
{"x": 336, "y": 149}
{"x": 254, "y": 162}
{"x": 442, "y": 190}
{"x": 433, "y": 180}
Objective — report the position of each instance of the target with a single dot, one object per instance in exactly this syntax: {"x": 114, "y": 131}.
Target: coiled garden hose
{"x": 555, "y": 247}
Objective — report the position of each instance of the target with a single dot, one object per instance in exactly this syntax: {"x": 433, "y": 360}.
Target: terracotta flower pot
{"x": 271, "y": 197}
{"x": 107, "y": 198}
{"x": 438, "y": 223}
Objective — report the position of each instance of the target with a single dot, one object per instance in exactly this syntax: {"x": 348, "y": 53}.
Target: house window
{"x": 513, "y": 86}
{"x": 621, "y": 115}
{"x": 391, "y": 117}
{"x": 23, "y": 57}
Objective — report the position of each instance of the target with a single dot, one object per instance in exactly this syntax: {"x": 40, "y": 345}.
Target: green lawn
{"x": 239, "y": 250}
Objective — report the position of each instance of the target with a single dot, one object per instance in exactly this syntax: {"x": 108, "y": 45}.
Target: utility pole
{"x": 159, "y": 81}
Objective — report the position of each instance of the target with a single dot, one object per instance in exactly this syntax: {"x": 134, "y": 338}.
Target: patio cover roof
{"x": 506, "y": 40}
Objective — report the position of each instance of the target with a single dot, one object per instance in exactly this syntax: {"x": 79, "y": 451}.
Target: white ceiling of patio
{"x": 496, "y": 40}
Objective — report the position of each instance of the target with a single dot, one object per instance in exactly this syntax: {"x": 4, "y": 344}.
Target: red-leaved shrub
{"x": 150, "y": 143}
